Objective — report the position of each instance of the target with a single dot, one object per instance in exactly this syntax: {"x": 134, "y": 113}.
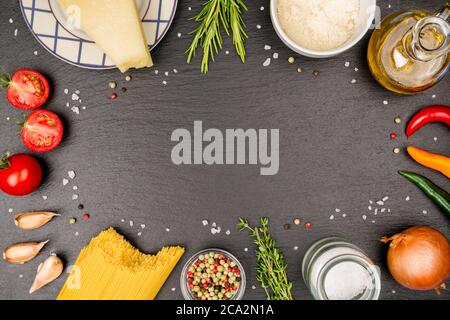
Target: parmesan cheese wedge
{"x": 114, "y": 25}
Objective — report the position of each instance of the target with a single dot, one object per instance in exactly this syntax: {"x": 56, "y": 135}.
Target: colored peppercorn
{"x": 113, "y": 96}
{"x": 438, "y": 195}
{"x": 435, "y": 113}
{"x": 213, "y": 276}
{"x": 393, "y": 136}
{"x": 308, "y": 225}
{"x": 86, "y": 216}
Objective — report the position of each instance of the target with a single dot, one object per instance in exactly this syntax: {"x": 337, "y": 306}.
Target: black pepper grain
{"x": 287, "y": 226}
{"x": 80, "y": 206}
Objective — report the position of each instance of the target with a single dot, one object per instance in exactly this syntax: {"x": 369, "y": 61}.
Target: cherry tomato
{"x": 42, "y": 131}
{"x": 27, "y": 89}
{"x": 20, "y": 174}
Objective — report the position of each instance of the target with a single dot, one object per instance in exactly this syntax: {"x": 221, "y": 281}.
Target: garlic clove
{"x": 33, "y": 220}
{"x": 20, "y": 253}
{"x": 47, "y": 271}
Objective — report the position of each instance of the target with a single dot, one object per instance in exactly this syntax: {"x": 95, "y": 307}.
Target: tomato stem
{"x": 5, "y": 80}
{"x": 4, "y": 160}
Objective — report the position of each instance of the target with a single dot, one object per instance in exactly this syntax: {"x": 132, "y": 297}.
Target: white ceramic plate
{"x": 48, "y": 23}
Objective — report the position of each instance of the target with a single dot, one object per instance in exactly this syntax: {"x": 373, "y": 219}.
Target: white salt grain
{"x": 353, "y": 81}
{"x": 71, "y": 174}
{"x": 10, "y": 210}
{"x": 407, "y": 198}
{"x": 332, "y": 217}
{"x": 347, "y": 64}
{"x": 385, "y": 199}
{"x": 75, "y": 110}
{"x": 65, "y": 181}
{"x": 75, "y": 97}
{"x": 75, "y": 188}
{"x": 337, "y": 210}
{"x": 44, "y": 197}
{"x": 364, "y": 217}
{"x": 15, "y": 32}
{"x": 266, "y": 63}
{"x": 139, "y": 234}
{"x": 131, "y": 223}
{"x": 142, "y": 226}
{"x": 205, "y": 222}
{"x": 166, "y": 73}
{"x": 245, "y": 249}
{"x": 424, "y": 211}
{"x": 66, "y": 91}
{"x": 228, "y": 232}
{"x": 295, "y": 248}
{"x": 267, "y": 47}
{"x": 11, "y": 20}
{"x": 275, "y": 55}
{"x": 258, "y": 26}
{"x": 167, "y": 229}
{"x": 380, "y": 203}
{"x": 385, "y": 102}
{"x": 74, "y": 197}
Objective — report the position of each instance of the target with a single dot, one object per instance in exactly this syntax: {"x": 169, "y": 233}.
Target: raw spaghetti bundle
{"x": 110, "y": 268}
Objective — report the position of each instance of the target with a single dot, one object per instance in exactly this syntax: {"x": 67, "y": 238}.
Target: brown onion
{"x": 419, "y": 258}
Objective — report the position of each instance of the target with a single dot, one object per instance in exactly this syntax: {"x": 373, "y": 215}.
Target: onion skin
{"x": 419, "y": 258}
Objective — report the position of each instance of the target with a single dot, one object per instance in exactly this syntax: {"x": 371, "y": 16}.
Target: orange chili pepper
{"x": 431, "y": 160}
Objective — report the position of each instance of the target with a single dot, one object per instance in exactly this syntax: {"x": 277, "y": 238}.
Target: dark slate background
{"x": 335, "y": 152}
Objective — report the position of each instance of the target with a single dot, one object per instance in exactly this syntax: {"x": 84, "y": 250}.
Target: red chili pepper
{"x": 434, "y": 113}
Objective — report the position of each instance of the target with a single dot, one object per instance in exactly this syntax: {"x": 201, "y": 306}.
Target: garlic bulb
{"x": 47, "y": 271}
{"x": 33, "y": 220}
{"x": 20, "y": 253}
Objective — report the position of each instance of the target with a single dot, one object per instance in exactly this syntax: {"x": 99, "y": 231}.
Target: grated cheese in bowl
{"x": 320, "y": 24}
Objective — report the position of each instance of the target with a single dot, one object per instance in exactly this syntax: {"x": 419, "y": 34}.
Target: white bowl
{"x": 364, "y": 21}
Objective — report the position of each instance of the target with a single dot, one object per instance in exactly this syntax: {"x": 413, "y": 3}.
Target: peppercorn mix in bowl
{"x": 212, "y": 274}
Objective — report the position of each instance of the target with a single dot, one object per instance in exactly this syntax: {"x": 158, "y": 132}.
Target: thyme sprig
{"x": 271, "y": 267}
{"x": 217, "y": 14}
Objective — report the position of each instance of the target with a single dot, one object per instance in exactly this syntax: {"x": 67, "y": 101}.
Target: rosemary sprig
{"x": 217, "y": 14}
{"x": 271, "y": 267}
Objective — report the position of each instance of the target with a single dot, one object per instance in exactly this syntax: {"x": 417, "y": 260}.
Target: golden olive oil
{"x": 400, "y": 56}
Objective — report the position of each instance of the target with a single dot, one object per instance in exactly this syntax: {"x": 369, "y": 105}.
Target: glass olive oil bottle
{"x": 409, "y": 52}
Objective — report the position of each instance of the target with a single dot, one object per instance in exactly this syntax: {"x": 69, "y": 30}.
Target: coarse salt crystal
{"x": 373, "y": 221}
{"x": 353, "y": 81}
{"x": 173, "y": 289}
{"x": 179, "y": 35}
{"x": 175, "y": 71}
{"x": 74, "y": 197}
{"x": 347, "y": 64}
{"x": 131, "y": 223}
{"x": 344, "y": 215}
{"x": 142, "y": 226}
{"x": 205, "y": 222}
{"x": 75, "y": 110}
{"x": 139, "y": 234}
{"x": 364, "y": 217}
{"x": 267, "y": 47}
{"x": 65, "y": 181}
{"x": 376, "y": 211}
{"x": 228, "y": 232}
{"x": 385, "y": 102}
{"x": 275, "y": 55}
{"x": 332, "y": 217}
{"x": 15, "y": 32}
{"x": 166, "y": 73}
{"x": 262, "y": 8}
{"x": 369, "y": 207}
{"x": 167, "y": 229}
{"x": 122, "y": 220}
{"x": 245, "y": 249}
{"x": 75, "y": 97}
{"x": 435, "y": 138}
{"x": 295, "y": 248}
{"x": 258, "y": 26}
{"x": 164, "y": 82}
{"x": 77, "y": 233}
{"x": 213, "y": 230}
{"x": 10, "y": 210}
{"x": 44, "y": 197}
{"x": 385, "y": 198}
{"x": 66, "y": 91}
{"x": 382, "y": 210}
{"x": 75, "y": 188}
{"x": 266, "y": 63}
{"x": 214, "y": 224}
{"x": 424, "y": 211}
{"x": 337, "y": 210}
{"x": 407, "y": 198}
{"x": 11, "y": 20}
{"x": 380, "y": 203}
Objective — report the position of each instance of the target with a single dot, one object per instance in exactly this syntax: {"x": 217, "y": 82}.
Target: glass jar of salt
{"x": 335, "y": 269}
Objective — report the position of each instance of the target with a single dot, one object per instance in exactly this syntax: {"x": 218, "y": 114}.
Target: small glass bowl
{"x": 186, "y": 291}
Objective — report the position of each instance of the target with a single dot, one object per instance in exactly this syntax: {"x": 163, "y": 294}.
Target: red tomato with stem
{"x": 26, "y": 89}
{"x": 20, "y": 174}
{"x": 42, "y": 131}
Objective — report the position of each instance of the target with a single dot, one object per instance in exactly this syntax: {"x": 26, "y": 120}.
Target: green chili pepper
{"x": 435, "y": 193}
